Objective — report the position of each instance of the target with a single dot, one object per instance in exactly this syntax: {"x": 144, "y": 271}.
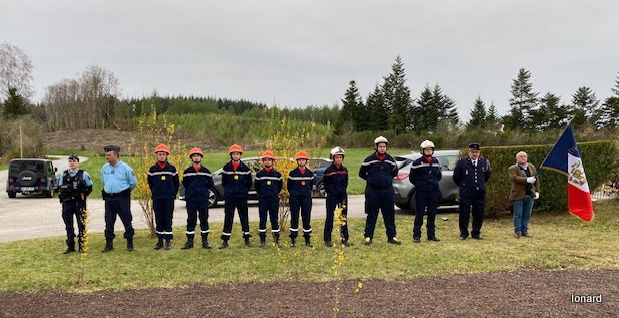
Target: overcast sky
{"x": 299, "y": 53}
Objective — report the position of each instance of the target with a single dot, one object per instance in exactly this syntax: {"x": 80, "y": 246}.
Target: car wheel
{"x": 212, "y": 198}
{"x": 322, "y": 193}
{"x": 12, "y": 195}
{"x": 411, "y": 203}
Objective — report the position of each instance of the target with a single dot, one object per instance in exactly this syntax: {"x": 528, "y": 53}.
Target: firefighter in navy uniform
{"x": 335, "y": 181}
{"x": 236, "y": 179}
{"x": 197, "y": 181}
{"x": 379, "y": 169}
{"x": 75, "y": 185}
{"x": 425, "y": 174}
{"x": 268, "y": 184}
{"x": 300, "y": 185}
{"x": 163, "y": 182}
{"x": 118, "y": 179}
{"x": 471, "y": 175}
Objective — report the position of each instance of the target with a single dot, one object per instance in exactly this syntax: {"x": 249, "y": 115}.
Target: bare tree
{"x": 15, "y": 70}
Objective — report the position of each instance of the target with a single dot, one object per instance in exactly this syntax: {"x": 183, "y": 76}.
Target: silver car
{"x": 405, "y": 190}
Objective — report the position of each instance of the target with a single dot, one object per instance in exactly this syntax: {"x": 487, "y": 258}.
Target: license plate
{"x": 27, "y": 188}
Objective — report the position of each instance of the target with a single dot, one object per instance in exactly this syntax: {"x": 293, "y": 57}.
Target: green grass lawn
{"x": 216, "y": 160}
{"x": 559, "y": 242}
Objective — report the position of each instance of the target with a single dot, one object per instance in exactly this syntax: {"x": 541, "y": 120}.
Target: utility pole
{"x": 21, "y": 145}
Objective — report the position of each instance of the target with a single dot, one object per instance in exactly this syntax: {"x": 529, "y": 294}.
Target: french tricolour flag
{"x": 564, "y": 157}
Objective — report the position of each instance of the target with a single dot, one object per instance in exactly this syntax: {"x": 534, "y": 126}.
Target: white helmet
{"x": 336, "y": 151}
{"x": 426, "y": 144}
{"x": 380, "y": 139}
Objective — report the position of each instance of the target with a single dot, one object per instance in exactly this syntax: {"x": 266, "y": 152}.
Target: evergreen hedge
{"x": 600, "y": 159}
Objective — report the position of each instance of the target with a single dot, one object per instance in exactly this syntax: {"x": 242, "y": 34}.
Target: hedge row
{"x": 600, "y": 159}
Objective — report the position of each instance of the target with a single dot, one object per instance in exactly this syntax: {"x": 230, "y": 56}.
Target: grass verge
{"x": 559, "y": 242}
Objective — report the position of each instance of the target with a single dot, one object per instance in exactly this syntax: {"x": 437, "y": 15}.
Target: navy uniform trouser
{"x": 164, "y": 212}
{"x": 268, "y": 207}
{"x": 303, "y": 204}
{"x": 423, "y": 200}
{"x": 380, "y": 200}
{"x": 240, "y": 204}
{"x": 333, "y": 202}
{"x": 69, "y": 209}
{"x": 120, "y": 206}
{"x": 475, "y": 204}
{"x": 197, "y": 209}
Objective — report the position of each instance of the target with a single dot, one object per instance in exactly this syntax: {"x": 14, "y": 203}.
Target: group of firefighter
{"x": 378, "y": 170}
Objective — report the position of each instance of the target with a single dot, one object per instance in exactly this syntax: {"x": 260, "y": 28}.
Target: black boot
{"x": 70, "y": 247}
{"x": 205, "y": 243}
{"x": 292, "y": 242}
{"x": 276, "y": 239}
{"x": 247, "y": 241}
{"x": 328, "y": 244}
{"x": 308, "y": 242}
{"x": 167, "y": 244}
{"x": 130, "y": 244}
{"x": 346, "y": 243}
{"x": 224, "y": 244}
{"x": 263, "y": 239}
{"x": 159, "y": 244}
{"x": 108, "y": 245}
{"x": 189, "y": 243}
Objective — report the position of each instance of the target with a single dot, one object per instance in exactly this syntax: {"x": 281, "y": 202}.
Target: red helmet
{"x": 302, "y": 154}
{"x": 162, "y": 148}
{"x": 235, "y": 148}
{"x": 268, "y": 154}
{"x": 196, "y": 150}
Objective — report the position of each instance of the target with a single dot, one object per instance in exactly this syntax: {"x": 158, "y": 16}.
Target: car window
{"x": 448, "y": 162}
{"x": 18, "y": 166}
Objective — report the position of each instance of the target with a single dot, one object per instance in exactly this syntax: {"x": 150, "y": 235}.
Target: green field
{"x": 559, "y": 242}
{"x": 216, "y": 160}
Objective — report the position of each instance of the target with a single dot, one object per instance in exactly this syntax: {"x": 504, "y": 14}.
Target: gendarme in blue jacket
{"x": 424, "y": 175}
{"x": 197, "y": 184}
{"x": 163, "y": 182}
{"x": 335, "y": 180}
{"x": 269, "y": 184}
{"x": 236, "y": 183}
{"x": 300, "y": 184}
{"x": 378, "y": 173}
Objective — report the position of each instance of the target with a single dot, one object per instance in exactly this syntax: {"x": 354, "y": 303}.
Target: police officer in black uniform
{"x": 471, "y": 175}
{"x": 75, "y": 185}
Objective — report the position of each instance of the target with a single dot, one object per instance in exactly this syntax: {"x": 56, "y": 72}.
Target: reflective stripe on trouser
{"x": 197, "y": 209}
{"x": 380, "y": 200}
{"x": 164, "y": 212}
{"x": 268, "y": 207}
{"x": 120, "y": 206}
{"x": 301, "y": 204}
{"x": 240, "y": 204}
{"x": 332, "y": 203}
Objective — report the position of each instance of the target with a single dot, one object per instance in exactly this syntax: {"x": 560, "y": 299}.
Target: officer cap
{"x": 74, "y": 157}
{"x": 474, "y": 146}
{"x": 111, "y": 148}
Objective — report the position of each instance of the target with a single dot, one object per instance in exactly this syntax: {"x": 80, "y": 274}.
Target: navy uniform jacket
{"x": 425, "y": 176}
{"x": 300, "y": 184}
{"x": 269, "y": 184}
{"x": 197, "y": 184}
{"x": 236, "y": 183}
{"x": 472, "y": 180}
{"x": 335, "y": 180}
{"x": 163, "y": 183}
{"x": 378, "y": 173}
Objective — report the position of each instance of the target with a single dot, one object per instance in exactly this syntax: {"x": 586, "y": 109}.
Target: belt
{"x": 123, "y": 194}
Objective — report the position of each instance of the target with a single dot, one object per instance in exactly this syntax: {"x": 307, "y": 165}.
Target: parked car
{"x": 31, "y": 175}
{"x": 216, "y": 194}
{"x": 405, "y": 191}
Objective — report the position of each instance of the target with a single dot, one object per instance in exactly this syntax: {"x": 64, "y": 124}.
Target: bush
{"x": 600, "y": 158}
{"x": 32, "y": 138}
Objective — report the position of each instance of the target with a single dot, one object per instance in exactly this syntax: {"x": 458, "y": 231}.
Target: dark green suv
{"x": 31, "y": 175}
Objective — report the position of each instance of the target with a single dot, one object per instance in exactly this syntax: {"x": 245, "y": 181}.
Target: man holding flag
{"x": 564, "y": 157}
